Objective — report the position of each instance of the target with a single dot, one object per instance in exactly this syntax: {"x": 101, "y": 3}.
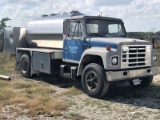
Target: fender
{"x": 95, "y": 51}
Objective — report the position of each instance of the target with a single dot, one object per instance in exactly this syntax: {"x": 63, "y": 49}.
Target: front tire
{"x": 94, "y": 80}
{"x": 25, "y": 65}
{"x": 145, "y": 82}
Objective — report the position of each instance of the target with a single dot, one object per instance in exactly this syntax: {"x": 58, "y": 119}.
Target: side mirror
{"x": 66, "y": 27}
{"x": 153, "y": 42}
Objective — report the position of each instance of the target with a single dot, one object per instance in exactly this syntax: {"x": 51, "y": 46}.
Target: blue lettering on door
{"x": 72, "y": 50}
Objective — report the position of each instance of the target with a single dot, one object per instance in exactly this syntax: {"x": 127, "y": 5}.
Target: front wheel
{"x": 144, "y": 82}
{"x": 94, "y": 80}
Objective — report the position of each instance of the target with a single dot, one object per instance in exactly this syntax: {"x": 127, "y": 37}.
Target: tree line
{"x": 143, "y": 35}
{"x": 3, "y": 24}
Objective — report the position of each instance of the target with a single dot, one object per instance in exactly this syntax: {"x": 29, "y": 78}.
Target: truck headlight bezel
{"x": 155, "y": 57}
{"x": 114, "y": 60}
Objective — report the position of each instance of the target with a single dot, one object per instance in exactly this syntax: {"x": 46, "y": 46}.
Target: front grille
{"x": 136, "y": 56}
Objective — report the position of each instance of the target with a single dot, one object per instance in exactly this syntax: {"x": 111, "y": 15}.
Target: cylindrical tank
{"x": 46, "y": 32}
{"x": 14, "y": 37}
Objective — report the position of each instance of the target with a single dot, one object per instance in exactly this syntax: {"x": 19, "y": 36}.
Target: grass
{"x": 7, "y": 62}
{"x": 3, "y": 84}
{"x": 74, "y": 114}
{"x": 37, "y": 98}
{"x": 22, "y": 84}
{"x": 3, "y": 72}
{"x": 40, "y": 98}
{"x": 72, "y": 91}
{"x": 6, "y": 94}
{"x": 106, "y": 105}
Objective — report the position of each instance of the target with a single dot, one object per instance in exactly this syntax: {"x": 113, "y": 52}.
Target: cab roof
{"x": 93, "y": 17}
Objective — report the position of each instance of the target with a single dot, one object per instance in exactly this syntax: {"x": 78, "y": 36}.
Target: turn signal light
{"x": 155, "y": 46}
{"x": 108, "y": 48}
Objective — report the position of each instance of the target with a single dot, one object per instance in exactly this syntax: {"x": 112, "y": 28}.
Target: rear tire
{"x": 94, "y": 81}
{"x": 25, "y": 65}
{"x": 145, "y": 82}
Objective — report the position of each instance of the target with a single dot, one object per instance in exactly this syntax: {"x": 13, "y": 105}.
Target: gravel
{"x": 117, "y": 105}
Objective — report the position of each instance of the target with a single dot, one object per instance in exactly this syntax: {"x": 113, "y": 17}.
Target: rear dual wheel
{"x": 94, "y": 81}
{"x": 25, "y": 64}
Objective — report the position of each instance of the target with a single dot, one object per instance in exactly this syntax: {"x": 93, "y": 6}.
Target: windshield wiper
{"x": 113, "y": 35}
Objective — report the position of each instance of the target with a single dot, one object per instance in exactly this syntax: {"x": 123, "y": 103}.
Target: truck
{"x": 92, "y": 48}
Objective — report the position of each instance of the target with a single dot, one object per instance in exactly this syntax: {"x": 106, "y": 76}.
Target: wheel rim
{"x": 91, "y": 81}
{"x": 24, "y": 65}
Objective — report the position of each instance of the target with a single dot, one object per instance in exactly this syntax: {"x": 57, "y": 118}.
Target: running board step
{"x": 68, "y": 71}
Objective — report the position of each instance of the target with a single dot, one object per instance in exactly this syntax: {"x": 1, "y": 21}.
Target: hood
{"x": 113, "y": 42}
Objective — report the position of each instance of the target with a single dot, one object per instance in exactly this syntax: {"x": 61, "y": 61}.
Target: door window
{"x": 75, "y": 29}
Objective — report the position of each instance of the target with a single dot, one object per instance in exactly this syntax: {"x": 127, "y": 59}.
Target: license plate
{"x": 136, "y": 81}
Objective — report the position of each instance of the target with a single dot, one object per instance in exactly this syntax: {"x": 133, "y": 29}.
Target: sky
{"x": 138, "y": 15}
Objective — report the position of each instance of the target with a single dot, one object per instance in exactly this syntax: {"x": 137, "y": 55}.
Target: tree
{"x": 44, "y": 15}
{"x": 2, "y": 25}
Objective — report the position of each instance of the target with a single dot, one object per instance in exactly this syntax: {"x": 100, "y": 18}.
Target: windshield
{"x": 104, "y": 28}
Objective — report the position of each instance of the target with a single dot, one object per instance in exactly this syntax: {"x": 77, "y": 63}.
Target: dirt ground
{"x": 122, "y": 102}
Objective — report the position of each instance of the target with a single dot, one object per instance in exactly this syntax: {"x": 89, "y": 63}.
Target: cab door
{"x": 73, "y": 46}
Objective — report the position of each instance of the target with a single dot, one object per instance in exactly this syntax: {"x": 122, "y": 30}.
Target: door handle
{"x": 65, "y": 48}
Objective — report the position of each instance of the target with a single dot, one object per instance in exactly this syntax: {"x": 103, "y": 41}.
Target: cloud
{"x": 108, "y": 2}
{"x": 138, "y": 15}
{"x": 20, "y": 2}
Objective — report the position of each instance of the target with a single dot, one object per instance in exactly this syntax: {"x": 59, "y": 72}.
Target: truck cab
{"x": 80, "y": 31}
{"x": 103, "y": 53}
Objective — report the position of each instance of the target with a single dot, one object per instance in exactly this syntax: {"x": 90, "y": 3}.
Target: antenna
{"x": 100, "y": 14}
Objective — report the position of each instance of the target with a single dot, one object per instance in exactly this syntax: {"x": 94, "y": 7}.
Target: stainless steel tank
{"x": 14, "y": 37}
{"x": 47, "y": 32}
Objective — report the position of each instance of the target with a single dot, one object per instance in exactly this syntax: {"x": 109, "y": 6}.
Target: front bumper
{"x": 130, "y": 74}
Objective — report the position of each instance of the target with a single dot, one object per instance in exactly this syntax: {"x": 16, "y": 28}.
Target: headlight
{"x": 125, "y": 49}
{"x": 155, "y": 57}
{"x": 114, "y": 60}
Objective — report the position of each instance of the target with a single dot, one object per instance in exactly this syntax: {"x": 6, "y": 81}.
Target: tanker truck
{"x": 92, "y": 48}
